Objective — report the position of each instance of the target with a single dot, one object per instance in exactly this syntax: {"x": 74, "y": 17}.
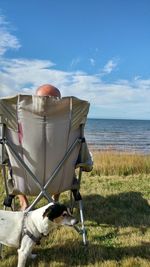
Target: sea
{"x": 118, "y": 135}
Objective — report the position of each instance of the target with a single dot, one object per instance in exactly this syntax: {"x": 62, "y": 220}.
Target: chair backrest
{"x": 41, "y": 130}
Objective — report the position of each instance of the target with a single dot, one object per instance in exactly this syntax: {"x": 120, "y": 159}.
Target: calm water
{"x": 123, "y": 135}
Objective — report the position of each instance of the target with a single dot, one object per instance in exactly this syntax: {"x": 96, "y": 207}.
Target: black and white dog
{"x": 25, "y": 229}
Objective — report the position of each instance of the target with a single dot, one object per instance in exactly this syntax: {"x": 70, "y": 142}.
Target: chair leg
{"x": 78, "y": 198}
{"x": 83, "y": 230}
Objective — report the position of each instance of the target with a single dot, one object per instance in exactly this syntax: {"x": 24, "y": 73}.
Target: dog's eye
{"x": 64, "y": 214}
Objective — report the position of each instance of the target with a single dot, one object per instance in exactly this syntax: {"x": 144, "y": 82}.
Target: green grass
{"x": 117, "y": 218}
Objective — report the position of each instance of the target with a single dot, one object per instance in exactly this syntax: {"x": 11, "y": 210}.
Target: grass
{"x": 115, "y": 163}
{"x": 117, "y": 218}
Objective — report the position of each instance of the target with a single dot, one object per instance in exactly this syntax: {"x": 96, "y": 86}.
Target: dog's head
{"x": 60, "y": 214}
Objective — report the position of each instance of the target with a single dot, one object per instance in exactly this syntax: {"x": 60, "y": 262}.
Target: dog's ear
{"x": 54, "y": 211}
{"x": 47, "y": 211}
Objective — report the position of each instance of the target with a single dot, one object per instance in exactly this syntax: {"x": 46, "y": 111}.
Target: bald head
{"x": 48, "y": 90}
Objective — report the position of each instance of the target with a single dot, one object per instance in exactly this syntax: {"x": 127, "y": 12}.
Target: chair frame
{"x": 4, "y": 142}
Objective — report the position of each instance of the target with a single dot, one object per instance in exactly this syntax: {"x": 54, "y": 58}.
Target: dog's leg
{"x": 24, "y": 251}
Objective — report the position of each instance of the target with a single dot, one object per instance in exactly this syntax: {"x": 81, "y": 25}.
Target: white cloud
{"x": 22, "y": 75}
{"x": 7, "y": 40}
{"x": 120, "y": 98}
{"x": 110, "y": 66}
{"x": 110, "y": 99}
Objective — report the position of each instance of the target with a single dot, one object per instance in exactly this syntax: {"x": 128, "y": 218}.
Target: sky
{"x": 97, "y": 50}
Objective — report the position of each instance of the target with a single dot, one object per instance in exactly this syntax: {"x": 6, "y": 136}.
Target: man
{"x": 43, "y": 90}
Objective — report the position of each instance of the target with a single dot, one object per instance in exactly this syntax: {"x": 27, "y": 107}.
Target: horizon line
{"x": 132, "y": 119}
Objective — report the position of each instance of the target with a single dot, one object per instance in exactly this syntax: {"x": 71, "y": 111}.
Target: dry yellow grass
{"x": 119, "y": 163}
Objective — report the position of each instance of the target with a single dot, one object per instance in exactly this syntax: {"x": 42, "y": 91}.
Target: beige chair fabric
{"x": 42, "y": 129}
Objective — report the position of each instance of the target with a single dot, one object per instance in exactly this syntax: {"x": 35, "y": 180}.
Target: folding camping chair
{"x": 42, "y": 142}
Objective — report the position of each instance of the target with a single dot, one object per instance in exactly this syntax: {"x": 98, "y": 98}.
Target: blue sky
{"x": 97, "y": 50}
